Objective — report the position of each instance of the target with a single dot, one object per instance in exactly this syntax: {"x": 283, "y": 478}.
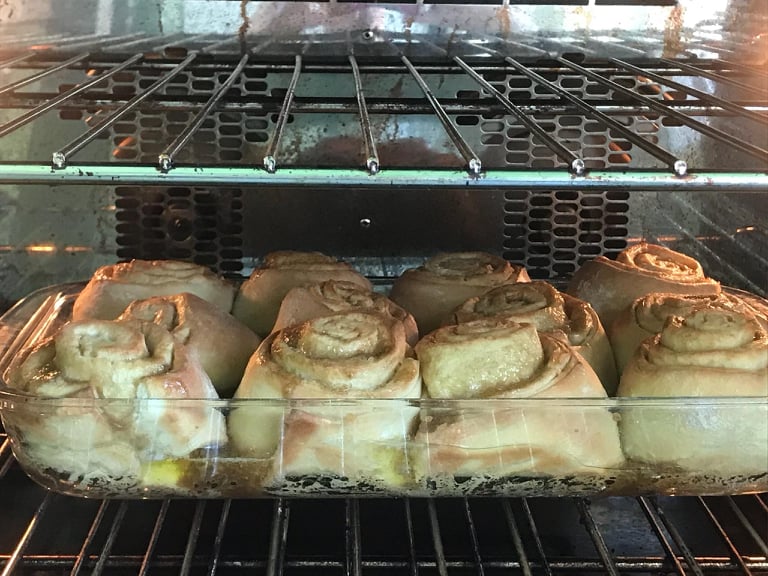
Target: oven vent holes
{"x": 553, "y": 233}
{"x": 589, "y": 139}
{"x": 195, "y": 224}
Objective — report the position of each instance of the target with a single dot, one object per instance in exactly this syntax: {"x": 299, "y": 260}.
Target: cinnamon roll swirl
{"x": 541, "y": 304}
{"x": 308, "y": 302}
{"x": 432, "y": 291}
{"x": 113, "y": 288}
{"x": 347, "y": 355}
{"x": 221, "y": 343}
{"x": 115, "y": 374}
{"x": 258, "y": 301}
{"x": 497, "y": 358}
{"x": 647, "y": 316}
{"x": 709, "y": 353}
{"x": 611, "y": 286}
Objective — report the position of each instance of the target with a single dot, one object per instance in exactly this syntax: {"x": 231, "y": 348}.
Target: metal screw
{"x": 368, "y": 35}
{"x": 165, "y": 162}
{"x": 681, "y": 168}
{"x": 578, "y": 167}
{"x": 59, "y": 160}
{"x": 365, "y": 222}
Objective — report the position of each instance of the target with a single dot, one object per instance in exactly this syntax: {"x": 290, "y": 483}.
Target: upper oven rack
{"x": 717, "y": 103}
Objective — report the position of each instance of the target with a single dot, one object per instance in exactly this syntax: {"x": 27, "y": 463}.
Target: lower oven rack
{"x": 44, "y": 533}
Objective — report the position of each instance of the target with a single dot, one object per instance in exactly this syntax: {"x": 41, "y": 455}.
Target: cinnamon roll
{"x": 258, "y": 301}
{"x": 611, "y": 286}
{"x": 432, "y": 291}
{"x": 347, "y": 355}
{"x": 647, "y": 316}
{"x": 539, "y": 303}
{"x": 707, "y": 354}
{"x": 221, "y": 343}
{"x": 113, "y": 288}
{"x": 308, "y": 302}
{"x": 501, "y": 359}
{"x": 115, "y": 376}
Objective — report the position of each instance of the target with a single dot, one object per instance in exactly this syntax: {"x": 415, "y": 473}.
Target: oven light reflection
{"x": 41, "y": 248}
{"x": 45, "y": 249}
{"x": 124, "y": 148}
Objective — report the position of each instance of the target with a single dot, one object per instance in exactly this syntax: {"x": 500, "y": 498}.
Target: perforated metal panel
{"x": 141, "y": 136}
{"x": 181, "y": 223}
{"x": 430, "y": 119}
{"x": 552, "y": 234}
{"x": 598, "y": 145}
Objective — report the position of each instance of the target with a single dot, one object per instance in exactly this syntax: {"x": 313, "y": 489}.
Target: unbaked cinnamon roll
{"x": 113, "y": 288}
{"x": 647, "y": 316}
{"x": 432, "y": 291}
{"x": 259, "y": 298}
{"x": 501, "y": 359}
{"x": 221, "y": 343}
{"x": 708, "y": 354}
{"x": 347, "y": 355}
{"x": 308, "y": 302}
{"x": 541, "y": 304}
{"x": 116, "y": 375}
{"x": 611, "y": 286}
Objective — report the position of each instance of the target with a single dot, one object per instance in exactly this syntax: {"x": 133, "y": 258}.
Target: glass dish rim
{"x": 9, "y": 397}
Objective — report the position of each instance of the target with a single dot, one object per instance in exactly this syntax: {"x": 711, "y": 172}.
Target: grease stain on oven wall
{"x": 242, "y": 32}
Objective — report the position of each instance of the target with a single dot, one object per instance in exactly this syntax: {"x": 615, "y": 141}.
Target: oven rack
{"x": 164, "y": 78}
{"x": 714, "y": 535}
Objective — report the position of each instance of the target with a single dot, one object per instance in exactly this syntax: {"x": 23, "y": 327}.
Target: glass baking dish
{"x": 520, "y": 447}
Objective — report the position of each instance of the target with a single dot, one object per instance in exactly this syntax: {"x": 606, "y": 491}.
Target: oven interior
{"x": 217, "y": 131}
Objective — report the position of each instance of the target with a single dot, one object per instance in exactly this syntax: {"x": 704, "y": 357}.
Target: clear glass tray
{"x": 535, "y": 447}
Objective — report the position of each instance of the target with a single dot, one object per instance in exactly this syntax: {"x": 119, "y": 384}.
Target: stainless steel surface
{"x": 645, "y": 180}
{"x": 652, "y": 27}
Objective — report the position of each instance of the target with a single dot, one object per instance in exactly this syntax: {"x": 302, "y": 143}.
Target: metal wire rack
{"x": 45, "y": 533}
{"x": 196, "y": 135}
{"x": 205, "y": 89}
